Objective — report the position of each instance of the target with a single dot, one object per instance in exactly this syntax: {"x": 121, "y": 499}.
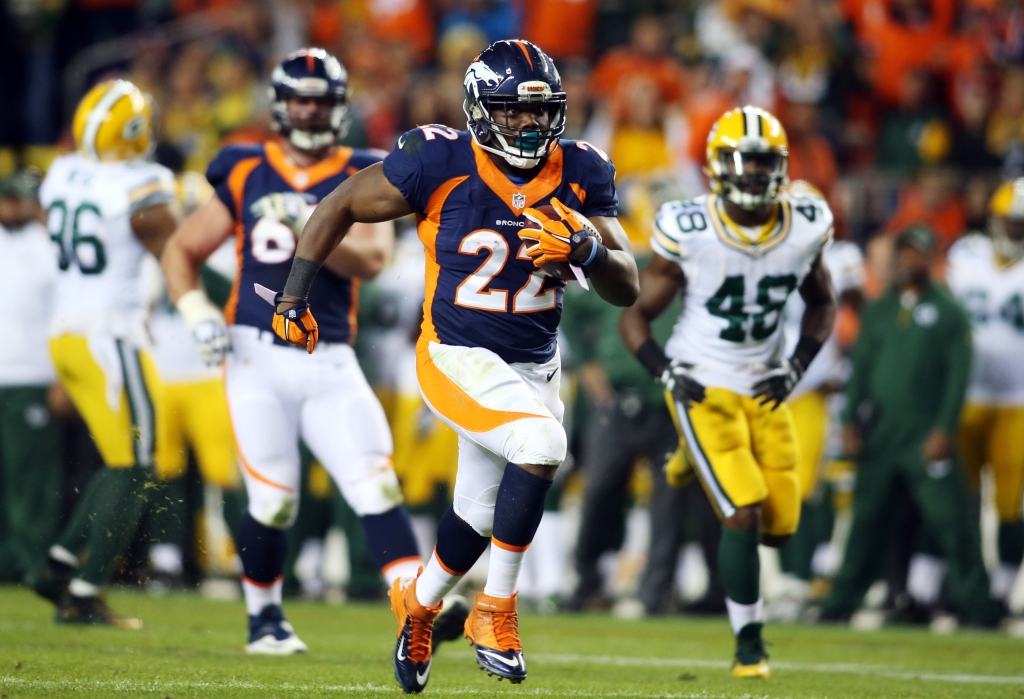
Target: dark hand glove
{"x": 677, "y": 380}
{"x": 779, "y": 382}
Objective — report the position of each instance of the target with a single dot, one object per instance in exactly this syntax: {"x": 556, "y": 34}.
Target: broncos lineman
{"x": 987, "y": 275}
{"x": 487, "y": 359}
{"x": 736, "y": 255}
{"x": 107, "y": 209}
{"x": 264, "y": 194}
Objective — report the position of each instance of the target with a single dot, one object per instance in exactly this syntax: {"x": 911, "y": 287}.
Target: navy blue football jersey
{"x": 481, "y": 288}
{"x": 241, "y": 175}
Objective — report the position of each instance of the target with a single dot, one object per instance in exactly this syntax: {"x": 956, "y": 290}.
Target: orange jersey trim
{"x": 353, "y": 311}
{"x": 427, "y": 229}
{"x": 546, "y": 181}
{"x": 580, "y": 193}
{"x": 508, "y": 547}
{"x": 302, "y": 178}
{"x": 237, "y": 178}
{"x": 453, "y": 403}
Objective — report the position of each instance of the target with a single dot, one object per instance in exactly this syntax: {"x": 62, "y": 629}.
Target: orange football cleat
{"x": 412, "y": 656}
{"x": 493, "y": 629}
{"x": 297, "y": 326}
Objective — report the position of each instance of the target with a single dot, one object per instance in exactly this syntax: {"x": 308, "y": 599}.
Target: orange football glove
{"x": 297, "y": 326}
{"x": 558, "y": 238}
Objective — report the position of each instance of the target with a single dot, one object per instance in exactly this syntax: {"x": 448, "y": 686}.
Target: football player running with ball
{"x": 276, "y": 395}
{"x": 487, "y": 358}
{"x": 736, "y": 255}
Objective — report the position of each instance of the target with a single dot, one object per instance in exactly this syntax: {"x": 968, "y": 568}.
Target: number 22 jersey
{"x": 731, "y": 325}
{"x": 481, "y": 288}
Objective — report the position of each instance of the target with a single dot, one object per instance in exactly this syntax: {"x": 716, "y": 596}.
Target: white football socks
{"x": 401, "y": 568}
{"x": 81, "y": 588}
{"x": 742, "y": 614}
{"x": 434, "y": 583}
{"x": 503, "y": 571}
{"x": 259, "y": 595}
{"x": 166, "y": 558}
{"x": 59, "y": 553}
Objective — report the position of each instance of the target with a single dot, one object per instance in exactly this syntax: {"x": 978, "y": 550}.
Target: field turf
{"x": 193, "y": 648}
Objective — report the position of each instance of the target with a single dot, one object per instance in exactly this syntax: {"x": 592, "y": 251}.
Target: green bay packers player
{"x": 107, "y": 209}
{"x": 987, "y": 275}
{"x": 736, "y": 255}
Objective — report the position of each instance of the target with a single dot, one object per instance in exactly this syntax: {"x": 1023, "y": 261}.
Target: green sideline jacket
{"x": 911, "y": 366}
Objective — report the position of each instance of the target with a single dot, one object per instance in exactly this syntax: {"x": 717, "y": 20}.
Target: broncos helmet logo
{"x": 480, "y": 72}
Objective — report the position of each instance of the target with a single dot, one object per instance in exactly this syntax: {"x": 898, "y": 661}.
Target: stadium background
{"x": 899, "y": 111}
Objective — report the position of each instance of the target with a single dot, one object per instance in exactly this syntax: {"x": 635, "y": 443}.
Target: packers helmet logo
{"x": 134, "y": 127}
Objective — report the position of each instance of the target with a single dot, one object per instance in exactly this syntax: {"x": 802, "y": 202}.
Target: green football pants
{"x": 940, "y": 492}
{"x": 31, "y": 452}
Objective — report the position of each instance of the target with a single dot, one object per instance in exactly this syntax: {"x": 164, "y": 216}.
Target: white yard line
{"x": 829, "y": 668}
{"x": 881, "y": 671}
{"x": 157, "y": 686}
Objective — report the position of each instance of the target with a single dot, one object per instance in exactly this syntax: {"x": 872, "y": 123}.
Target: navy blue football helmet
{"x": 509, "y": 72}
{"x": 309, "y": 73}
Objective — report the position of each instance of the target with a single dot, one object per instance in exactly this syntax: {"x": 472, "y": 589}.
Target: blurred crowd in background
{"x": 899, "y": 111}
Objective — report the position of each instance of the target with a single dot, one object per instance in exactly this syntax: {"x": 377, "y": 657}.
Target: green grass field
{"x": 193, "y": 648}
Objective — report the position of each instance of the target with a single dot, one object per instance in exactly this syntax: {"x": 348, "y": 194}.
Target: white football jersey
{"x": 89, "y": 206}
{"x": 845, "y": 264}
{"x": 994, "y": 298}
{"x": 731, "y": 324}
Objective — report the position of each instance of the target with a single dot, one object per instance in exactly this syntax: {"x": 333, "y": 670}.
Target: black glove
{"x": 778, "y": 383}
{"x": 677, "y": 380}
{"x": 783, "y": 375}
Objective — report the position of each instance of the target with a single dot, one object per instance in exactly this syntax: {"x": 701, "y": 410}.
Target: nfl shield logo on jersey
{"x": 518, "y": 201}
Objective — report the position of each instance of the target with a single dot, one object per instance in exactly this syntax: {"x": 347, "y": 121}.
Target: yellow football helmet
{"x": 114, "y": 121}
{"x": 1006, "y": 219}
{"x": 747, "y": 157}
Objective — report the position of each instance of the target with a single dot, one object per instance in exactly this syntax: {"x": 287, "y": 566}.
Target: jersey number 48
{"x": 728, "y": 303}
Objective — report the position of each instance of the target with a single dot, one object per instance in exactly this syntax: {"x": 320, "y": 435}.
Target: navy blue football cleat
{"x": 493, "y": 630}
{"x": 271, "y": 634}
{"x": 413, "y": 650}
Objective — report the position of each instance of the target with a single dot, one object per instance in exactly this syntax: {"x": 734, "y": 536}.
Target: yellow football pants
{"x": 196, "y": 415}
{"x": 426, "y": 450}
{"x": 810, "y": 420}
{"x": 994, "y": 436}
{"x": 124, "y": 436}
{"x": 744, "y": 454}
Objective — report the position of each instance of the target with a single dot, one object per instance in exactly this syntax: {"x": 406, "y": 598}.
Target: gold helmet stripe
{"x": 99, "y": 113}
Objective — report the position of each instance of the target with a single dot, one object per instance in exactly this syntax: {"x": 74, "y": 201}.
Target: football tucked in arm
{"x": 561, "y": 270}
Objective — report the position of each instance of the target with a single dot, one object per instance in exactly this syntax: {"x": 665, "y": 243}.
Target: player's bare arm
{"x": 659, "y": 283}
{"x": 199, "y": 235}
{"x": 364, "y": 252}
{"x": 154, "y": 225}
{"x": 618, "y": 282}
{"x": 820, "y": 300}
{"x": 196, "y": 239}
{"x": 366, "y": 197}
